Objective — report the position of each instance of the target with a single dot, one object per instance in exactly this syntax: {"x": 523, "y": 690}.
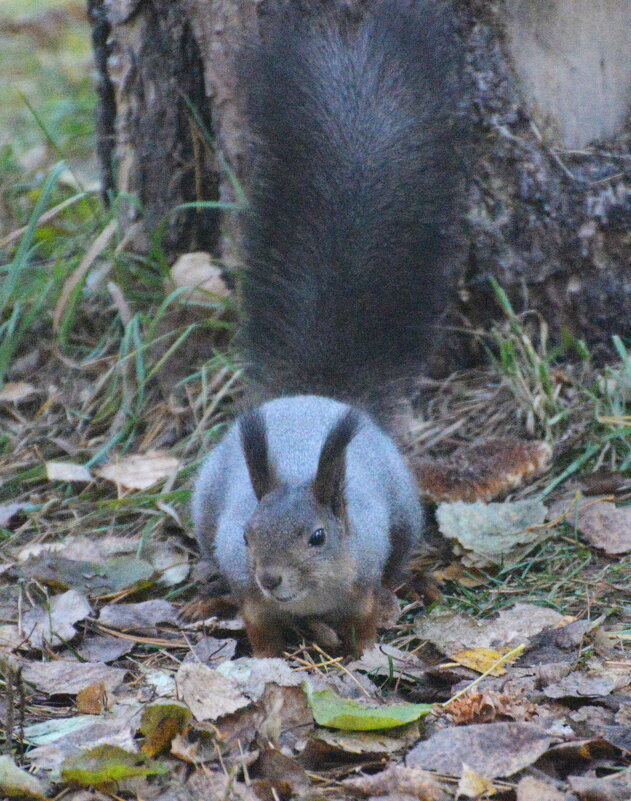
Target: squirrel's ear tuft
{"x": 328, "y": 485}
{"x": 254, "y": 442}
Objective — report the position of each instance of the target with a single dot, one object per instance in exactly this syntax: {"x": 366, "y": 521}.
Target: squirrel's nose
{"x": 270, "y": 580}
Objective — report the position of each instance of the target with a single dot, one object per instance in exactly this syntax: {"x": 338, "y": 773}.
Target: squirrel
{"x": 306, "y": 507}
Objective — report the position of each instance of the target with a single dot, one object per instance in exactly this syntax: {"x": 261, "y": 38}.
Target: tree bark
{"x": 549, "y": 211}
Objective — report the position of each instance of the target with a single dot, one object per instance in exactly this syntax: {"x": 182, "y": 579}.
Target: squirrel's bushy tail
{"x": 349, "y": 240}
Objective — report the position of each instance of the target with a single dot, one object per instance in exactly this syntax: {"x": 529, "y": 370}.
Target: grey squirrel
{"x": 306, "y": 507}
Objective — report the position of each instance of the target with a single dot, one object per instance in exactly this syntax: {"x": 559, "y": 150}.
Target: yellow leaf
{"x": 481, "y": 660}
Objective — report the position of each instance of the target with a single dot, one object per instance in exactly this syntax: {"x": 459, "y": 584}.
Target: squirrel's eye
{"x": 245, "y": 539}
{"x": 318, "y": 537}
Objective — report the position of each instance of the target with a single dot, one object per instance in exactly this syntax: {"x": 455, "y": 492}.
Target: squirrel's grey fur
{"x": 380, "y": 492}
{"x": 347, "y": 245}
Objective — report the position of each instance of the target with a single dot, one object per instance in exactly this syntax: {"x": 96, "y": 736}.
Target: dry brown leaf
{"x": 487, "y": 706}
{"x": 533, "y": 789}
{"x": 16, "y": 391}
{"x": 496, "y": 749}
{"x": 92, "y": 700}
{"x": 207, "y": 693}
{"x": 55, "y": 624}
{"x": 456, "y": 571}
{"x": 607, "y": 526}
{"x": 138, "y": 617}
{"x": 471, "y": 785}
{"x": 69, "y": 678}
{"x": 67, "y": 471}
{"x": 616, "y": 787}
{"x": 581, "y": 685}
{"x": 451, "y": 632}
{"x": 197, "y": 272}
{"x": 399, "y": 779}
{"x": 369, "y": 742}
{"x": 140, "y": 471}
{"x": 483, "y": 470}
{"x": 251, "y": 675}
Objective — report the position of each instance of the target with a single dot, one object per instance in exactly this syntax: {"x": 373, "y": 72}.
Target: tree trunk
{"x": 549, "y": 210}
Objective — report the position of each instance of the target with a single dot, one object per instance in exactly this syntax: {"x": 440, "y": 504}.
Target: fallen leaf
{"x": 330, "y": 709}
{"x": 140, "y": 471}
{"x": 212, "y": 651}
{"x": 496, "y": 749}
{"x": 472, "y": 785}
{"x": 607, "y": 526}
{"x": 616, "y": 787}
{"x": 67, "y": 471}
{"x": 197, "y": 272}
{"x": 533, "y": 789}
{"x": 107, "y": 765}
{"x": 386, "y": 660}
{"x": 581, "y": 685}
{"x": 138, "y": 617}
{"x": 213, "y": 786}
{"x": 399, "y": 779}
{"x": 483, "y": 660}
{"x": 92, "y": 700}
{"x": 487, "y": 706}
{"x": 55, "y": 625}
{"x": 58, "y": 738}
{"x": 17, "y": 783}
{"x": 160, "y": 723}
{"x": 451, "y": 632}
{"x": 104, "y": 648}
{"x": 368, "y": 742}
{"x": 492, "y": 533}
{"x": 252, "y": 675}
{"x": 94, "y": 578}
{"x": 69, "y": 678}
{"x": 207, "y": 693}
{"x": 16, "y": 391}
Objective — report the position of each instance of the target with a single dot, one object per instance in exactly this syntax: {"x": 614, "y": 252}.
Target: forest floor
{"x": 507, "y": 673}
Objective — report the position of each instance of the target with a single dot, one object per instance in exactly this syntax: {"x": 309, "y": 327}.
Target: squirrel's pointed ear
{"x": 328, "y": 485}
{"x": 254, "y": 442}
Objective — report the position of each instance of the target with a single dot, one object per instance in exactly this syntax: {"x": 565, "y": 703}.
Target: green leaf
{"x": 106, "y": 765}
{"x": 330, "y": 709}
{"x": 160, "y": 723}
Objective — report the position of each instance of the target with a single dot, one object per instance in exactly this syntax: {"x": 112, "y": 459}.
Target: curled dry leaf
{"x": 16, "y": 391}
{"x": 487, "y": 706}
{"x": 67, "y": 471}
{"x": 197, "y": 272}
{"x": 483, "y": 470}
{"x": 472, "y": 785}
{"x": 140, "y": 470}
